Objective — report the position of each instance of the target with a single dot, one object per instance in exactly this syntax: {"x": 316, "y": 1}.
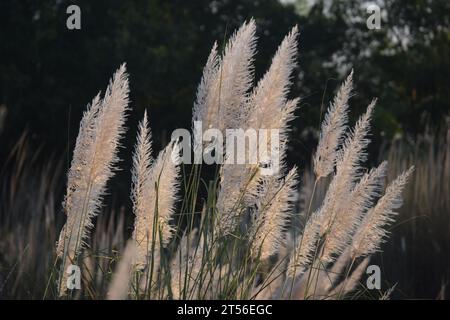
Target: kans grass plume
{"x": 226, "y": 81}
{"x": 93, "y": 164}
{"x": 221, "y": 95}
{"x": 154, "y": 194}
{"x": 332, "y": 131}
{"x": 273, "y": 213}
{"x": 371, "y": 232}
{"x": 268, "y": 108}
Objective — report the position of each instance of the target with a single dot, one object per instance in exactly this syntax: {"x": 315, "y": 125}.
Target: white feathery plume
{"x": 252, "y": 175}
{"x": 270, "y": 95}
{"x": 284, "y": 119}
{"x": 371, "y": 232}
{"x": 332, "y": 131}
{"x": 276, "y": 201}
{"x": 93, "y": 164}
{"x": 353, "y": 151}
{"x": 281, "y": 121}
{"x": 208, "y": 91}
{"x": 236, "y": 75}
{"x": 140, "y": 195}
{"x": 226, "y": 81}
{"x": 303, "y": 254}
{"x": 239, "y": 182}
{"x": 165, "y": 177}
{"x": 267, "y": 108}
{"x": 348, "y": 170}
{"x": 158, "y": 194}
{"x": 233, "y": 183}
{"x": 352, "y": 211}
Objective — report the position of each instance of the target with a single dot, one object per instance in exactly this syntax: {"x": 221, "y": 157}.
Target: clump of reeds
{"x": 93, "y": 164}
{"x": 241, "y": 244}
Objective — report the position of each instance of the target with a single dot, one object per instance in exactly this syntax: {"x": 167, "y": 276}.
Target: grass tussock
{"x": 244, "y": 242}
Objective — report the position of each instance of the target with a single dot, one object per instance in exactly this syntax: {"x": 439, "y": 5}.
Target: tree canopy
{"x": 48, "y": 74}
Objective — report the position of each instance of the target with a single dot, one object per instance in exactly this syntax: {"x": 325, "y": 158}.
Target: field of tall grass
{"x": 302, "y": 233}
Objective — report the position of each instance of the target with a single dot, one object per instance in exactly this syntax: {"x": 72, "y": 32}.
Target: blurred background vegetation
{"x": 48, "y": 74}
